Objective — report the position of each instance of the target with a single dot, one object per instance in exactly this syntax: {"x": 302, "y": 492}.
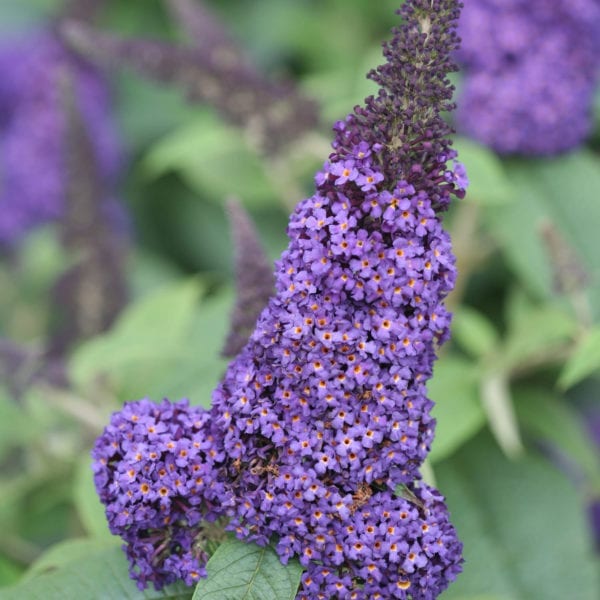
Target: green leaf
{"x": 522, "y": 524}
{"x": 63, "y": 553}
{"x": 10, "y": 572}
{"x": 89, "y": 507}
{"x": 542, "y": 188}
{"x": 474, "y": 332}
{"x": 212, "y": 157}
{"x": 240, "y": 571}
{"x": 454, "y": 389}
{"x": 535, "y": 331}
{"x": 584, "y": 361}
{"x": 94, "y": 571}
{"x": 488, "y": 181}
{"x": 199, "y": 371}
{"x": 553, "y": 420}
{"x": 145, "y": 343}
{"x": 16, "y": 428}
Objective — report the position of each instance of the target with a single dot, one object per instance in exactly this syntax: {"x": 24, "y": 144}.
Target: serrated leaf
{"x": 454, "y": 389}
{"x": 584, "y": 361}
{"x": 473, "y": 332}
{"x": 522, "y": 524}
{"x": 100, "y": 574}
{"x": 488, "y": 180}
{"x": 240, "y": 571}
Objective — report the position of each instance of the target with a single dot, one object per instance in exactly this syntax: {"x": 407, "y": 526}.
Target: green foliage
{"x": 585, "y": 360}
{"x": 214, "y": 160}
{"x": 458, "y": 411}
{"x": 489, "y": 183}
{"x": 88, "y": 505}
{"x": 86, "y": 569}
{"x": 522, "y": 526}
{"x": 473, "y": 332}
{"x": 148, "y": 339}
{"x": 561, "y": 191}
{"x": 240, "y": 571}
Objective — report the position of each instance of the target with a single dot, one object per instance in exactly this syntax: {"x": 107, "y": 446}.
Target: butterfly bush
{"x": 530, "y": 71}
{"x": 35, "y": 70}
{"x": 322, "y": 422}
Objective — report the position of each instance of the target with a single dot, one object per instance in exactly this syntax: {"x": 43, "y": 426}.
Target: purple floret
{"x": 530, "y": 72}
{"x": 33, "y": 130}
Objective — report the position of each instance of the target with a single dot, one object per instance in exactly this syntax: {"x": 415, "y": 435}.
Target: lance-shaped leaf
{"x": 254, "y": 279}
{"x": 272, "y": 113}
{"x": 90, "y": 294}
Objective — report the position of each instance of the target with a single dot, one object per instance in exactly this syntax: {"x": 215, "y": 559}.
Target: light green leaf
{"x": 89, "y": 507}
{"x": 454, "y": 389}
{"x": 212, "y": 157}
{"x": 522, "y": 524}
{"x": 584, "y": 361}
{"x": 240, "y": 571}
{"x": 488, "y": 181}
{"x": 473, "y": 332}
{"x": 63, "y": 553}
{"x": 535, "y": 332}
{"x": 199, "y": 371}
{"x": 144, "y": 344}
{"x": 97, "y": 571}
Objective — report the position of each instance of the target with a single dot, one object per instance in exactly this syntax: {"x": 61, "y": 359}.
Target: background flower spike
{"x": 272, "y": 114}
{"x": 254, "y": 278}
{"x": 92, "y": 292}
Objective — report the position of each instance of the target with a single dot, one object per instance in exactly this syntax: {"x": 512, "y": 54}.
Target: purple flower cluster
{"x": 325, "y": 410}
{"x": 321, "y": 423}
{"x": 153, "y": 470}
{"x": 530, "y": 71}
{"x": 33, "y": 130}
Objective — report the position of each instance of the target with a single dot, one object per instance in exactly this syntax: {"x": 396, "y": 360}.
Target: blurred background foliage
{"x": 517, "y": 388}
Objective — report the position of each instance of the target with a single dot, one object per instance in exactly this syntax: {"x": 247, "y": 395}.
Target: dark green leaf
{"x": 240, "y": 571}
{"x": 522, "y": 524}
{"x": 552, "y": 420}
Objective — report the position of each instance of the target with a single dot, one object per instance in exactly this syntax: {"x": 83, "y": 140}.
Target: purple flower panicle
{"x": 33, "y": 130}
{"x": 530, "y": 72}
{"x": 153, "y": 471}
{"x": 326, "y": 406}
